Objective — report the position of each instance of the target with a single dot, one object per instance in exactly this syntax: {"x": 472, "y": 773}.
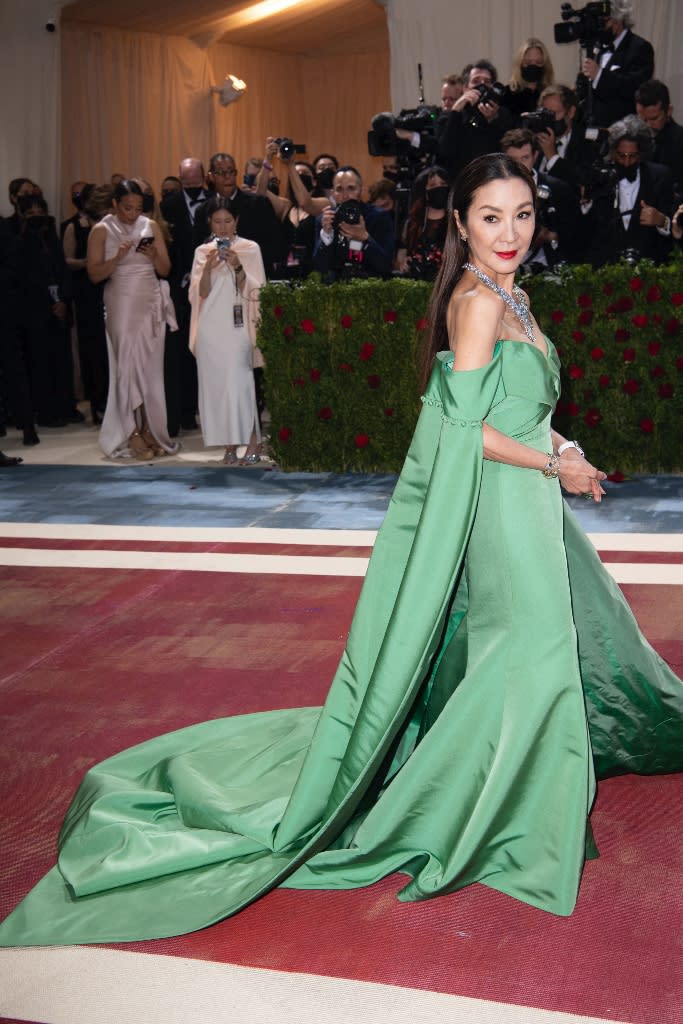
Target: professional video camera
{"x": 587, "y": 24}
{"x": 382, "y": 138}
{"x": 288, "y": 148}
{"x": 540, "y": 120}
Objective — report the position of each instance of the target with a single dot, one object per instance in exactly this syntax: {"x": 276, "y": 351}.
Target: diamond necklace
{"x": 517, "y": 305}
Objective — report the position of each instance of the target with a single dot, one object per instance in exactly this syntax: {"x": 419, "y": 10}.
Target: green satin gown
{"x": 492, "y": 670}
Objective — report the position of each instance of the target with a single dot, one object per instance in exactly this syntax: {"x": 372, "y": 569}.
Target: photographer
{"x": 532, "y": 71}
{"x": 653, "y": 106}
{"x": 633, "y": 213}
{"x": 567, "y": 152}
{"x": 557, "y": 213}
{"x": 354, "y": 239}
{"x": 623, "y": 62}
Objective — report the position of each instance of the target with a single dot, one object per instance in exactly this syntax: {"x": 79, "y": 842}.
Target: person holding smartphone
{"x": 227, "y": 274}
{"x": 128, "y": 252}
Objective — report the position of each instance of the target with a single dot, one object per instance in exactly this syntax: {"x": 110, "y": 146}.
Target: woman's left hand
{"x": 578, "y": 476}
{"x": 232, "y": 258}
{"x": 150, "y": 251}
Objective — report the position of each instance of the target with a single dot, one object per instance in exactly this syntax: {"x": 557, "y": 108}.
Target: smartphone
{"x": 222, "y": 244}
{"x": 144, "y": 242}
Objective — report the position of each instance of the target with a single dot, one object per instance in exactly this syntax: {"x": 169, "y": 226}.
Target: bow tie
{"x": 197, "y": 201}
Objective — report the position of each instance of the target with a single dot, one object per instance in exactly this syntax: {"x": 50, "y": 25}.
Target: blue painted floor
{"x": 213, "y": 496}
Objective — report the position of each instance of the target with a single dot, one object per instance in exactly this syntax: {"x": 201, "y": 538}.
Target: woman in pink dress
{"x": 127, "y": 250}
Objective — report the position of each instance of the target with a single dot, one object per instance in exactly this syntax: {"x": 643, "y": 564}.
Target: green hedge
{"x": 341, "y": 380}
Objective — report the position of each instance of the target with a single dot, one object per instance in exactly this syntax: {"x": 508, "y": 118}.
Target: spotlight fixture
{"x": 230, "y": 91}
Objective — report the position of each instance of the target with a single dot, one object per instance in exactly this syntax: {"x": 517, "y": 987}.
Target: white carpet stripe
{"x": 79, "y": 985}
{"x": 671, "y": 542}
{"x": 277, "y": 565}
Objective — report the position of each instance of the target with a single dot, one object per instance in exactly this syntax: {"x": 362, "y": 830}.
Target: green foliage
{"x": 341, "y": 373}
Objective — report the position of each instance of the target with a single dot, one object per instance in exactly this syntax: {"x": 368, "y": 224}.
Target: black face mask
{"x": 166, "y": 192}
{"x": 532, "y": 73}
{"x": 606, "y": 37}
{"x": 437, "y": 197}
{"x": 628, "y": 173}
{"x": 39, "y": 224}
{"x": 147, "y": 203}
{"x": 560, "y": 127}
{"x": 308, "y": 182}
{"x": 194, "y": 193}
{"x": 326, "y": 177}
{"x": 77, "y": 200}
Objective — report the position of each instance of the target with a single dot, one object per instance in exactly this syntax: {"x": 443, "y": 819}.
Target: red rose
{"x": 672, "y": 326}
{"x": 597, "y": 353}
{"x": 647, "y": 426}
{"x": 346, "y": 367}
{"x": 307, "y": 326}
{"x": 677, "y": 299}
{"x": 635, "y": 284}
{"x": 640, "y": 320}
{"x": 284, "y": 433}
{"x": 325, "y": 413}
{"x": 603, "y": 382}
{"x": 592, "y": 418}
{"x": 288, "y": 332}
{"x": 390, "y": 316}
{"x": 584, "y": 300}
{"x": 422, "y": 324}
{"x": 298, "y": 382}
{"x": 632, "y": 387}
{"x": 314, "y": 375}
{"x": 389, "y": 412}
{"x": 629, "y": 355}
{"x": 621, "y": 334}
{"x": 578, "y": 336}
{"x": 653, "y": 347}
{"x": 361, "y": 440}
{"x": 608, "y": 289}
{"x": 623, "y": 304}
{"x": 654, "y": 293}
{"x": 374, "y": 381}
{"x": 557, "y": 316}
{"x": 586, "y": 317}
{"x": 576, "y": 372}
{"x": 366, "y": 351}
{"x": 665, "y": 390}
{"x": 278, "y": 311}
{"x": 573, "y": 409}
{"x": 656, "y": 372}
{"x": 611, "y": 309}
{"x": 346, "y": 322}
{"x": 617, "y": 477}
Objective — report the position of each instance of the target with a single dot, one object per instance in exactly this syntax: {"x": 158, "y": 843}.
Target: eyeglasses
{"x": 223, "y": 172}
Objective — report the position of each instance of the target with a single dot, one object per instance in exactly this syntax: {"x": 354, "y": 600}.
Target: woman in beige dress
{"x": 127, "y": 250}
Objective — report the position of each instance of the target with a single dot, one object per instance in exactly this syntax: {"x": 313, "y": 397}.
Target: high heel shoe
{"x": 152, "y": 443}
{"x": 138, "y": 448}
{"x": 30, "y": 437}
{"x": 252, "y": 459}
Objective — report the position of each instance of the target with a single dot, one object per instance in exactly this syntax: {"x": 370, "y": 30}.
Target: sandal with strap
{"x": 138, "y": 447}
{"x": 229, "y": 459}
{"x": 152, "y": 443}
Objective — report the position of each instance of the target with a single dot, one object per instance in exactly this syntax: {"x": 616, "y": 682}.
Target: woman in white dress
{"x": 227, "y": 275}
{"x": 127, "y": 250}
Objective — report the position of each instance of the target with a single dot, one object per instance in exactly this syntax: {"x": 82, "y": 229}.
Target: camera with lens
{"x": 348, "y": 212}
{"x": 382, "y": 138}
{"x": 288, "y": 148}
{"x": 587, "y": 24}
{"x": 600, "y": 180}
{"x": 540, "y": 120}
{"x": 493, "y": 93}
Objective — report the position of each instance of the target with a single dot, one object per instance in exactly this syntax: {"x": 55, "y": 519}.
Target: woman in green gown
{"x": 493, "y": 669}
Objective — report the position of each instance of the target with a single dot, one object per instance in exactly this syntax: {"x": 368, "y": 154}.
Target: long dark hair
{"x": 127, "y": 187}
{"x": 415, "y": 224}
{"x": 214, "y": 204}
{"x": 491, "y": 167}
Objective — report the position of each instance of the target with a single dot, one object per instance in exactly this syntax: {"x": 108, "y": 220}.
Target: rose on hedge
{"x": 325, "y": 413}
{"x": 314, "y": 375}
{"x": 653, "y": 347}
{"x": 374, "y": 380}
{"x": 632, "y": 387}
{"x": 307, "y": 326}
{"x": 367, "y": 351}
{"x": 284, "y": 433}
{"x": 346, "y": 322}
{"x": 390, "y": 316}
{"x": 576, "y": 372}
{"x": 629, "y": 355}
{"x": 361, "y": 440}
{"x": 647, "y": 425}
{"x": 597, "y": 353}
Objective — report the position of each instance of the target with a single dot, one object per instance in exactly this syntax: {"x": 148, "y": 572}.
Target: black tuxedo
{"x": 609, "y": 238}
{"x": 669, "y": 150}
{"x": 579, "y": 154}
{"x": 256, "y": 221}
{"x": 377, "y": 253}
{"x": 560, "y": 213}
{"x": 631, "y": 64}
{"x": 180, "y": 368}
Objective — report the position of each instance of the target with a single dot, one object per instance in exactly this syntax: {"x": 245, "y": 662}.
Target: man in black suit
{"x": 623, "y": 63}
{"x": 558, "y": 207}
{"x": 636, "y": 213}
{"x": 180, "y": 369}
{"x": 256, "y": 218}
{"x": 568, "y": 149}
{"x": 653, "y": 106}
{"x": 363, "y": 247}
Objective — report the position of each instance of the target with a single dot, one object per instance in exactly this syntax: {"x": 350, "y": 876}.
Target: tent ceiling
{"x": 316, "y": 27}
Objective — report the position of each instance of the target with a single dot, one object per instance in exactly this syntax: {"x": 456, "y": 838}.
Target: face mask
{"x": 147, "y": 203}
{"x": 308, "y": 182}
{"x": 38, "y": 223}
{"x": 166, "y": 192}
{"x": 194, "y": 193}
{"x": 532, "y": 73}
{"x": 326, "y": 177}
{"x": 437, "y": 197}
{"x": 560, "y": 127}
{"x": 629, "y": 173}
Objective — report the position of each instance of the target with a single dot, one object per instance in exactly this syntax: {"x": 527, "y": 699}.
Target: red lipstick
{"x": 507, "y": 255}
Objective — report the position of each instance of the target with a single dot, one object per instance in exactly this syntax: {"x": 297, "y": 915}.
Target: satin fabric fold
{"x": 490, "y": 663}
